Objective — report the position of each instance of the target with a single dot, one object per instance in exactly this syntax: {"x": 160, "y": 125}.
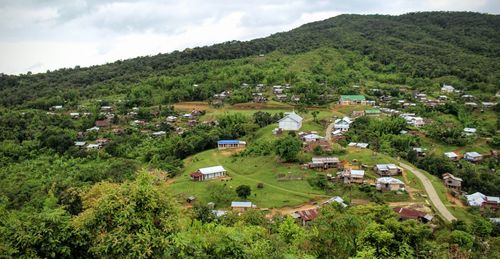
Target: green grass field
{"x": 249, "y": 171}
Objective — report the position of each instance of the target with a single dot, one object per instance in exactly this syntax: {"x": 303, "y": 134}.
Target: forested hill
{"x": 429, "y": 44}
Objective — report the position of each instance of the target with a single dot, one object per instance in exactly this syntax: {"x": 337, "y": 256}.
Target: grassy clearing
{"x": 250, "y": 171}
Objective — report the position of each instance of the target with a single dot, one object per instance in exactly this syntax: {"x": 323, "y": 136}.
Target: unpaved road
{"x": 328, "y": 132}
{"x": 431, "y": 192}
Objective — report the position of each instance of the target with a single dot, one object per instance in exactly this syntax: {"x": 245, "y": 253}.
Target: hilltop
{"x": 459, "y": 46}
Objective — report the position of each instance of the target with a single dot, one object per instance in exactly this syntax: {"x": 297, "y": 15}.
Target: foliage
{"x": 243, "y": 191}
{"x": 287, "y": 148}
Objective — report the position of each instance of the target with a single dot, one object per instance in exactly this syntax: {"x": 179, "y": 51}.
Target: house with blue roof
{"x": 225, "y": 144}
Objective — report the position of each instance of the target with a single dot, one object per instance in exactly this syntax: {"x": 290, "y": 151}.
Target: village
{"x": 357, "y": 165}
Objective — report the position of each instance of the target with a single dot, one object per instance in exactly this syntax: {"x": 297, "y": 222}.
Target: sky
{"x": 41, "y": 35}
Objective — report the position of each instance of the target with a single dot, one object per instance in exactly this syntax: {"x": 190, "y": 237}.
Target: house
{"x": 336, "y": 199}
{"x": 56, "y": 107}
{"x": 413, "y": 120}
{"x": 102, "y": 141}
{"x": 487, "y": 105}
{"x": 187, "y": 116}
{"x": 74, "y": 115}
{"x": 480, "y": 200}
{"x": 352, "y": 99}
{"x": 387, "y": 169}
{"x": 305, "y": 215}
{"x": 324, "y": 162}
{"x": 452, "y": 181}
{"x": 102, "y": 123}
{"x": 259, "y": 98}
{"x": 278, "y": 89}
{"x": 372, "y": 112}
{"x": 242, "y": 206}
{"x": 159, "y": 133}
{"x": 351, "y": 176}
{"x": 389, "y": 184}
{"x": 291, "y": 121}
{"x": 452, "y": 156}
{"x": 208, "y": 173}
{"x": 342, "y": 124}
{"x": 311, "y": 137}
{"x": 473, "y": 156}
{"x": 447, "y": 88}
{"x": 93, "y": 146}
{"x": 420, "y": 151}
{"x": 171, "y": 118}
{"x": 93, "y": 129}
{"x": 224, "y": 144}
{"x": 356, "y": 114}
{"x": 407, "y": 213}
{"x": 358, "y": 145}
{"x": 106, "y": 108}
{"x": 471, "y": 104}
{"x": 80, "y": 144}
{"x": 469, "y": 131}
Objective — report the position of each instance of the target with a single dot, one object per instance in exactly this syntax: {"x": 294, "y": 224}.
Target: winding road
{"x": 431, "y": 192}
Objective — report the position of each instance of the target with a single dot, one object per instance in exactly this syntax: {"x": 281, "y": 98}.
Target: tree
{"x": 461, "y": 238}
{"x": 134, "y": 219}
{"x": 287, "y": 148}
{"x": 243, "y": 191}
{"x": 315, "y": 115}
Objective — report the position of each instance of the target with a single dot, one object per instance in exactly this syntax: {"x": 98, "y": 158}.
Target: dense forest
{"x": 59, "y": 200}
{"x": 464, "y": 46}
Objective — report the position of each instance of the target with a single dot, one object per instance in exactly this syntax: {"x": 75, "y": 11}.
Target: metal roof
{"x": 212, "y": 170}
{"x": 229, "y": 142}
{"x": 242, "y": 204}
{"x": 352, "y": 98}
{"x": 292, "y": 115}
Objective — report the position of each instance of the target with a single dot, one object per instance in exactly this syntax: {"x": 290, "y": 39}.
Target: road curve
{"x": 431, "y": 193}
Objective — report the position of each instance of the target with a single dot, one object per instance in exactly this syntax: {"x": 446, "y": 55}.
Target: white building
{"x": 208, "y": 173}
{"x": 470, "y": 131}
{"x": 447, "y": 88}
{"x": 342, "y": 124}
{"x": 291, "y": 121}
{"x": 451, "y": 155}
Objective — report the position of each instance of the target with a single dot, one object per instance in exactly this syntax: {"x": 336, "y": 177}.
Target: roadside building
{"x": 389, "y": 184}
{"x": 452, "y": 182}
{"x": 387, "y": 169}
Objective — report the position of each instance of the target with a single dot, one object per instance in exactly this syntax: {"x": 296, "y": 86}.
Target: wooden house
{"x": 351, "y": 176}
{"x": 387, "y": 169}
{"x": 452, "y": 181}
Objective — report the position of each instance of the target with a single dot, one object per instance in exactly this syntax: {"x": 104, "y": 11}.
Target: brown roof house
{"x": 306, "y": 215}
{"x": 407, "y": 213}
{"x": 102, "y": 123}
{"x": 452, "y": 181}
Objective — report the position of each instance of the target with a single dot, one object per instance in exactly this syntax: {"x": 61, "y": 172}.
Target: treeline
{"x": 140, "y": 219}
{"x": 459, "y": 47}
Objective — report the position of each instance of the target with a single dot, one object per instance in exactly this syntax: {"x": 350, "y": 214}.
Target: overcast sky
{"x": 37, "y": 35}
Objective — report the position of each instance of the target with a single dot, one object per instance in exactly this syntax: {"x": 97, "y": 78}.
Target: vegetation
{"x": 121, "y": 196}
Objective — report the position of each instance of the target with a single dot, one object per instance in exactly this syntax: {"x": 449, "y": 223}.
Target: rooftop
{"x": 212, "y": 170}
{"x": 352, "y": 98}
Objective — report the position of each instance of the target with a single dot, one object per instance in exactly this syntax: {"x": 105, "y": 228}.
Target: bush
{"x": 260, "y": 185}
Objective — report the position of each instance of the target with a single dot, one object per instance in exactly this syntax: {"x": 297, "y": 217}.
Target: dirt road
{"x": 431, "y": 192}
{"x": 328, "y": 132}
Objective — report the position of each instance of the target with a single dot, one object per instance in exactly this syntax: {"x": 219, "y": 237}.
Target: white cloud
{"x": 40, "y": 35}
